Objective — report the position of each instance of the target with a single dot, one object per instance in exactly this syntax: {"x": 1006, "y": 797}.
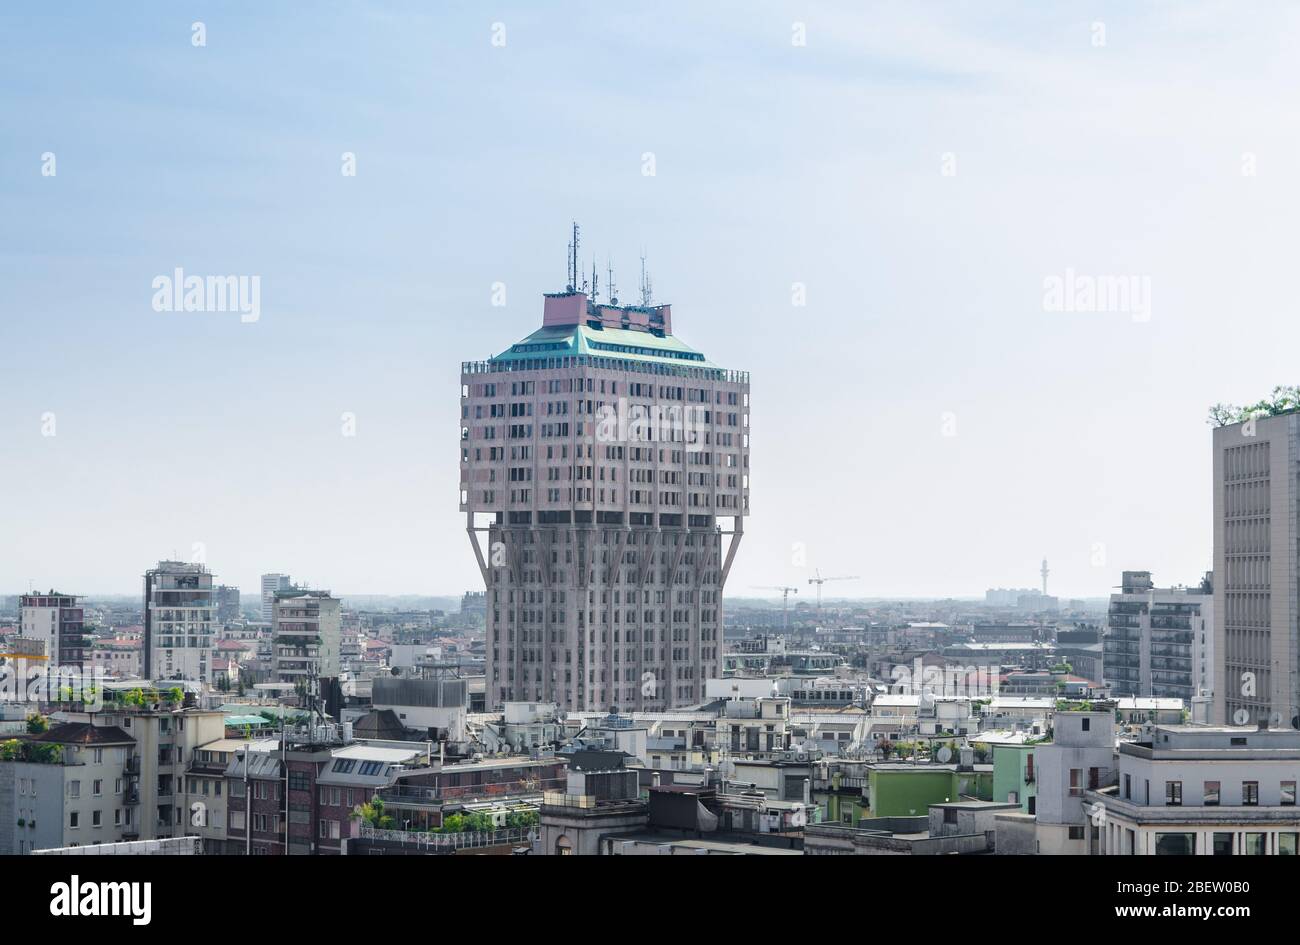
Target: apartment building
{"x": 58, "y": 621}
{"x": 117, "y": 658}
{"x": 1080, "y": 757}
{"x": 227, "y": 598}
{"x": 255, "y": 809}
{"x": 1202, "y": 790}
{"x": 1160, "y": 641}
{"x": 165, "y": 736}
{"x": 69, "y": 786}
{"x": 1257, "y": 572}
{"x": 270, "y": 584}
{"x": 179, "y": 621}
{"x": 307, "y": 636}
{"x": 208, "y": 793}
{"x": 605, "y": 480}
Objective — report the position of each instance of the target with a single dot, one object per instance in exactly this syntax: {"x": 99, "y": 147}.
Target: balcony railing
{"x": 448, "y": 841}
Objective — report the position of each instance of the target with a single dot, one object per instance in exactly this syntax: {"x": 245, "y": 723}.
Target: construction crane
{"x": 819, "y": 581}
{"x": 785, "y": 601}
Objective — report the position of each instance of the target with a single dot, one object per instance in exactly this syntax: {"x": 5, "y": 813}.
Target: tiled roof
{"x": 83, "y": 733}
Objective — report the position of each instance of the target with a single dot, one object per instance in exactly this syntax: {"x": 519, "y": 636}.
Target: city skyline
{"x": 958, "y": 390}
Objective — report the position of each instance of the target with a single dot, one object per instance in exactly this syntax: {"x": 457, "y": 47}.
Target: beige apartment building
{"x": 605, "y": 480}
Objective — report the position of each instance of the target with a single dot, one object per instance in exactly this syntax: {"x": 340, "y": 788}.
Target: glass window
{"x": 1287, "y": 843}
{"x": 1249, "y": 793}
{"x": 1173, "y": 793}
{"x": 1175, "y": 844}
{"x": 1211, "y": 794}
{"x": 1256, "y": 844}
{"x": 1288, "y": 793}
{"x": 1223, "y": 844}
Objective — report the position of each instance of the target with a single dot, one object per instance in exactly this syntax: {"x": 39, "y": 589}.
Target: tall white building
{"x": 270, "y": 584}
{"x": 179, "y": 619}
{"x": 1256, "y": 573}
{"x": 605, "y": 480}
{"x": 307, "y": 636}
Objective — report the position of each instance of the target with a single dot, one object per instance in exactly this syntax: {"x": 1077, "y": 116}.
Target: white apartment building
{"x": 270, "y": 584}
{"x": 179, "y": 621}
{"x": 605, "y": 480}
{"x": 1159, "y": 641}
{"x": 307, "y": 636}
{"x": 1257, "y": 571}
{"x": 1202, "y": 790}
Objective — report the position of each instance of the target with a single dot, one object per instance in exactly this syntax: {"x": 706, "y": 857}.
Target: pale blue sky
{"x": 775, "y": 164}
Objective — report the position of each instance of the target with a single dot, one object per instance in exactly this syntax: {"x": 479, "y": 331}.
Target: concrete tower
{"x": 604, "y": 474}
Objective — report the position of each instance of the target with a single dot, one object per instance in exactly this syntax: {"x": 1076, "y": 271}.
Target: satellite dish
{"x": 945, "y": 755}
{"x": 1241, "y": 717}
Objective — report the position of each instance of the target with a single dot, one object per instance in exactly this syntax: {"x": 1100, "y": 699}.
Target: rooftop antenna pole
{"x": 575, "y": 255}
{"x": 609, "y": 282}
{"x": 645, "y": 283}
{"x": 595, "y": 281}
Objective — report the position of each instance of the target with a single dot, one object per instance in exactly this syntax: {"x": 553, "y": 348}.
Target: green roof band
{"x": 628, "y": 343}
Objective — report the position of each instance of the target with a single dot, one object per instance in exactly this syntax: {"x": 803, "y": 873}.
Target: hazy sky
{"x": 923, "y": 421}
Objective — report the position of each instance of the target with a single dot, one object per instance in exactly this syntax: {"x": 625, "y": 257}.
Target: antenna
{"x": 595, "y": 281}
{"x": 573, "y": 266}
{"x": 610, "y": 288}
{"x": 646, "y": 291}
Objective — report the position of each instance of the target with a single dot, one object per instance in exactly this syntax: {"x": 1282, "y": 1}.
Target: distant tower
{"x": 1044, "y": 572}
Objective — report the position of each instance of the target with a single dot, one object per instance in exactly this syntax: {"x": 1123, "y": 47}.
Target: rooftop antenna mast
{"x": 610, "y": 288}
{"x": 646, "y": 292}
{"x": 573, "y": 259}
{"x": 595, "y": 281}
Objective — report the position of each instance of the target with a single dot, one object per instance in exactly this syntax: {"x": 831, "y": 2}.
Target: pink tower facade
{"x": 604, "y": 474}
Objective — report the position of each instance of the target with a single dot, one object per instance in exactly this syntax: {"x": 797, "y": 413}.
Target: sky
{"x": 917, "y": 175}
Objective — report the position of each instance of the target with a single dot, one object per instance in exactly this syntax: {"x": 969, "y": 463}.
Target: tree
{"x": 521, "y": 819}
{"x": 1281, "y": 400}
{"x": 372, "y": 814}
{"x": 36, "y": 724}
